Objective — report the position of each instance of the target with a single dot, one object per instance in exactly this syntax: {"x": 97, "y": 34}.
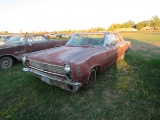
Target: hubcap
{"x": 6, "y": 62}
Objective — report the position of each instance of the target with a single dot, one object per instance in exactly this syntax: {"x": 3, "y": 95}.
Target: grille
{"x": 47, "y": 67}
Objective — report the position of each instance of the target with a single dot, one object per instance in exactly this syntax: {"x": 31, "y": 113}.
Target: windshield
{"x": 16, "y": 40}
{"x": 87, "y": 40}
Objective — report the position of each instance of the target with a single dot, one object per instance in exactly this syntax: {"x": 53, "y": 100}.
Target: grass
{"x": 129, "y": 89}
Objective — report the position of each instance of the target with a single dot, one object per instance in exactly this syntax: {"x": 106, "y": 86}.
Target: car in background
{"x": 78, "y": 62}
{"x": 12, "y": 50}
{"x": 55, "y": 36}
{"x": 47, "y": 35}
{"x": 66, "y": 36}
{"x": 58, "y": 35}
{"x": 51, "y": 36}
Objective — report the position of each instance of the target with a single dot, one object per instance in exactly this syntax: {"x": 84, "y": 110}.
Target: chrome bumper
{"x": 55, "y": 80}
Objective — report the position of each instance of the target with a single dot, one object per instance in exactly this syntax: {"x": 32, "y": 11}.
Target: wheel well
{"x": 13, "y": 58}
{"x": 97, "y": 68}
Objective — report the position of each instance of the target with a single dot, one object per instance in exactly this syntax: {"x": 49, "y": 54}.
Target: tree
{"x": 148, "y": 23}
{"x": 155, "y": 22}
{"x": 114, "y": 26}
{"x": 100, "y": 29}
{"x": 140, "y": 25}
{"x": 93, "y": 29}
{"x": 5, "y": 32}
{"x": 128, "y": 24}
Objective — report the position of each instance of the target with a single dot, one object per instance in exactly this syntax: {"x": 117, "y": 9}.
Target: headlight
{"x": 24, "y": 59}
{"x": 67, "y": 68}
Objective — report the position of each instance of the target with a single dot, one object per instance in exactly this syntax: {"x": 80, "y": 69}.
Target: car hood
{"x": 6, "y": 45}
{"x": 61, "y": 55}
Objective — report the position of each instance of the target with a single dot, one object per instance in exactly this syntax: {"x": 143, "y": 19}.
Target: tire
{"x": 91, "y": 80}
{"x": 6, "y": 62}
{"x": 122, "y": 57}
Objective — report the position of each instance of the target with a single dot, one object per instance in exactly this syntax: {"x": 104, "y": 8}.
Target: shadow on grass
{"x": 133, "y": 84}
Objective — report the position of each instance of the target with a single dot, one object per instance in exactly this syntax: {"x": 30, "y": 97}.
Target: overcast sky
{"x": 50, "y": 15}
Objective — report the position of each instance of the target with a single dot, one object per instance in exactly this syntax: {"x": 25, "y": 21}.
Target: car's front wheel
{"x": 91, "y": 79}
{"x": 6, "y": 62}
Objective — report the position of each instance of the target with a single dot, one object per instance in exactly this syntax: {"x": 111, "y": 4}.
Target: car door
{"x": 111, "y": 49}
{"x": 35, "y": 43}
{"x": 18, "y": 50}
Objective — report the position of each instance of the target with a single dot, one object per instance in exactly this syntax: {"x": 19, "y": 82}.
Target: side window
{"x": 22, "y": 40}
{"x": 117, "y": 39}
{"x": 112, "y": 39}
{"x": 36, "y": 39}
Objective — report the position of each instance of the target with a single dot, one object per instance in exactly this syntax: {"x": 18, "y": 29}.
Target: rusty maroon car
{"x": 12, "y": 50}
{"x": 78, "y": 62}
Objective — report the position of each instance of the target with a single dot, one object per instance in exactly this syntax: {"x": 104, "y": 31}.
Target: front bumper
{"x": 55, "y": 80}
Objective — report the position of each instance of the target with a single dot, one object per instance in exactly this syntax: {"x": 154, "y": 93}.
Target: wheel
{"x": 91, "y": 79}
{"x": 6, "y": 62}
{"x": 121, "y": 57}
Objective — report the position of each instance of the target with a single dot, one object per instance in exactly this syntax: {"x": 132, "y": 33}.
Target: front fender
{"x": 82, "y": 70}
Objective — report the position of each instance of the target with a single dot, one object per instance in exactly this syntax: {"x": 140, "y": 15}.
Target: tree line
{"x": 153, "y": 23}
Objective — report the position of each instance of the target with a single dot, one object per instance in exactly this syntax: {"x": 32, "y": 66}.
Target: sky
{"x": 54, "y": 15}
